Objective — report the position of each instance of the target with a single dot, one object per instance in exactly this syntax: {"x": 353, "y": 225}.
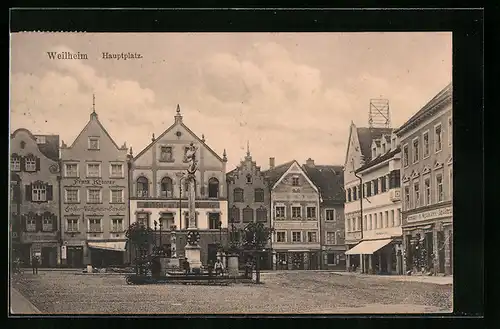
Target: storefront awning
{"x": 115, "y": 246}
{"x": 368, "y": 247}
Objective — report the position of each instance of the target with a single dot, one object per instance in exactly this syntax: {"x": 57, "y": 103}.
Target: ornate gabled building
{"x": 158, "y": 189}
{"x": 35, "y": 214}
{"x": 294, "y": 216}
{"x": 248, "y": 202}
{"x": 330, "y": 182}
{"x": 427, "y": 186}
{"x": 94, "y": 196}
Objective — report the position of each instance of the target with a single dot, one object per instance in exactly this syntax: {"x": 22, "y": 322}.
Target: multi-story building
{"x": 294, "y": 217}
{"x": 249, "y": 202}
{"x": 427, "y": 186}
{"x": 34, "y": 165}
{"x": 381, "y": 245}
{"x": 358, "y": 154}
{"x": 330, "y": 182}
{"x": 158, "y": 189}
{"x": 94, "y": 198}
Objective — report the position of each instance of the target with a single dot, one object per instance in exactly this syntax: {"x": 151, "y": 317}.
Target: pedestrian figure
{"x": 186, "y": 266}
{"x": 248, "y": 270}
{"x": 219, "y": 268}
{"x": 34, "y": 264}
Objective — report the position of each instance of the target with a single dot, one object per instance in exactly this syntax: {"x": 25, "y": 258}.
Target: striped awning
{"x": 114, "y": 246}
{"x": 368, "y": 247}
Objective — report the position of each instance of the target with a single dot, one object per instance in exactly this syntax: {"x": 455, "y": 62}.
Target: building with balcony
{"x": 330, "y": 182}
{"x": 34, "y": 167}
{"x": 249, "y": 202}
{"x": 158, "y": 189}
{"x": 295, "y": 217}
{"x": 358, "y": 153}
{"x": 427, "y": 186}
{"x": 94, "y": 194}
{"x": 380, "y": 250}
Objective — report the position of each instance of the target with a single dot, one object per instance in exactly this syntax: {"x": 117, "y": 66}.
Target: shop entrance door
{"x": 75, "y": 257}
{"x": 441, "y": 254}
{"x": 49, "y": 257}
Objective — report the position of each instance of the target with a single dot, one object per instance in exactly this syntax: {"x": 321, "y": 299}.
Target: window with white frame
{"x": 405, "y": 155}
{"x": 39, "y": 192}
{"x": 330, "y": 237}
{"x": 93, "y": 143}
{"x": 450, "y": 184}
{"x": 438, "y": 138}
{"x": 295, "y": 181}
{"x": 15, "y": 163}
{"x": 117, "y": 195}
{"x": 312, "y": 237}
{"x": 143, "y": 219}
{"x": 116, "y": 170}
{"x": 407, "y": 197}
{"x": 279, "y": 212}
{"x": 116, "y": 225}
{"x": 94, "y": 196}
{"x": 296, "y": 236}
{"x": 311, "y": 212}
{"x": 41, "y": 139}
{"x": 439, "y": 188}
{"x": 72, "y": 195}
{"x": 71, "y": 170}
{"x": 31, "y": 224}
{"x": 426, "y": 145}
{"x": 296, "y": 212}
{"x": 280, "y": 236}
{"x": 47, "y": 225}
{"x": 95, "y": 225}
{"x": 30, "y": 163}
{"x": 450, "y": 130}
{"x": 415, "y": 150}
{"x": 416, "y": 193}
{"x": 330, "y": 214}
{"x": 93, "y": 170}
{"x": 427, "y": 191}
{"x": 72, "y": 225}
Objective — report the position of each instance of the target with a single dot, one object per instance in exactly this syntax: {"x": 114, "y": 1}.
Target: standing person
{"x": 219, "y": 268}
{"x": 34, "y": 264}
{"x": 186, "y": 266}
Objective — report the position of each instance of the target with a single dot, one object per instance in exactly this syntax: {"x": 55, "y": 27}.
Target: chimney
{"x": 271, "y": 163}
{"x": 310, "y": 163}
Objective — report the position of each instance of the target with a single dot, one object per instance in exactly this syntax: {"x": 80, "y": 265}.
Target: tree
{"x": 255, "y": 238}
{"x": 141, "y": 238}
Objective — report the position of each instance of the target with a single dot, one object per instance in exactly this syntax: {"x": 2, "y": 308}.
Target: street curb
{"x": 22, "y": 303}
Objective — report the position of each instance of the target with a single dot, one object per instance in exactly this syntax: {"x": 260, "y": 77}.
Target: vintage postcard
{"x": 231, "y": 173}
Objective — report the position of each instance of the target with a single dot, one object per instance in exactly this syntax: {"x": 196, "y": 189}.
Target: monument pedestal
{"x": 232, "y": 265}
{"x": 193, "y": 255}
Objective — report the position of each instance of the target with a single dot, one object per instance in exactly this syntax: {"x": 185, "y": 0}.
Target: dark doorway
{"x": 313, "y": 261}
{"x": 281, "y": 261}
{"x": 429, "y": 248}
{"x": 450, "y": 245}
{"x": 75, "y": 257}
{"x": 409, "y": 252}
{"x": 441, "y": 253}
{"x": 49, "y": 257}
{"x": 264, "y": 260}
{"x": 212, "y": 252}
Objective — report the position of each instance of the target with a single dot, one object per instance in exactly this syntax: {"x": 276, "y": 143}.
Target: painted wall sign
{"x": 431, "y": 214}
{"x": 175, "y": 205}
{"x": 92, "y": 182}
{"x": 49, "y": 237}
{"x": 95, "y": 208}
{"x": 296, "y": 224}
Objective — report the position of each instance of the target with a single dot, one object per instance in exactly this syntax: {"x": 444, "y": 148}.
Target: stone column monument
{"x": 192, "y": 249}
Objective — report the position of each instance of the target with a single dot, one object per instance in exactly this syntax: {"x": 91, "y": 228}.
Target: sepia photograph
{"x": 231, "y": 173}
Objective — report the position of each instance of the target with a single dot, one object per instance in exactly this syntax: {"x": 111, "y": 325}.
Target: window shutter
{"x": 37, "y": 164}
{"x": 54, "y": 223}
{"x": 39, "y": 222}
{"x": 23, "y": 223}
{"x": 27, "y": 190}
{"x": 21, "y": 163}
{"x": 49, "y": 192}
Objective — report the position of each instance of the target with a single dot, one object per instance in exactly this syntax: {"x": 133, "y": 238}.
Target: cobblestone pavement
{"x": 302, "y": 292}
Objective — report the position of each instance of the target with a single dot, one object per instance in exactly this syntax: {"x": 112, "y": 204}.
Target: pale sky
{"x": 291, "y": 95}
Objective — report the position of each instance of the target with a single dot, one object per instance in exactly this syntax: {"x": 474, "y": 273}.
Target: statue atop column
{"x": 191, "y": 158}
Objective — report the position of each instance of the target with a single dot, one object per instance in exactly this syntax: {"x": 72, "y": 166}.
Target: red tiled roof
{"x": 366, "y": 136}
{"x": 329, "y": 179}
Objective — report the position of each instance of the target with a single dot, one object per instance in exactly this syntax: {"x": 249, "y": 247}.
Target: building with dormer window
{"x": 248, "y": 202}
{"x": 35, "y": 216}
{"x": 158, "y": 189}
{"x": 94, "y": 194}
{"x": 295, "y": 207}
{"x": 427, "y": 186}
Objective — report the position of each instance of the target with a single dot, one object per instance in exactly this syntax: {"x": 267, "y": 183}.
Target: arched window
{"x": 213, "y": 188}
{"x": 235, "y": 215}
{"x": 166, "y": 187}
{"x": 248, "y": 215}
{"x": 238, "y": 195}
{"x": 142, "y": 187}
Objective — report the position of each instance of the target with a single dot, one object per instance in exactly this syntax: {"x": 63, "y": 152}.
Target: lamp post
{"x": 155, "y": 247}
{"x": 161, "y": 245}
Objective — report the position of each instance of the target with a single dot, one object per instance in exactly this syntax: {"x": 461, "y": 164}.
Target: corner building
{"x": 427, "y": 186}
{"x": 35, "y": 215}
{"x": 158, "y": 190}
{"x": 94, "y": 195}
